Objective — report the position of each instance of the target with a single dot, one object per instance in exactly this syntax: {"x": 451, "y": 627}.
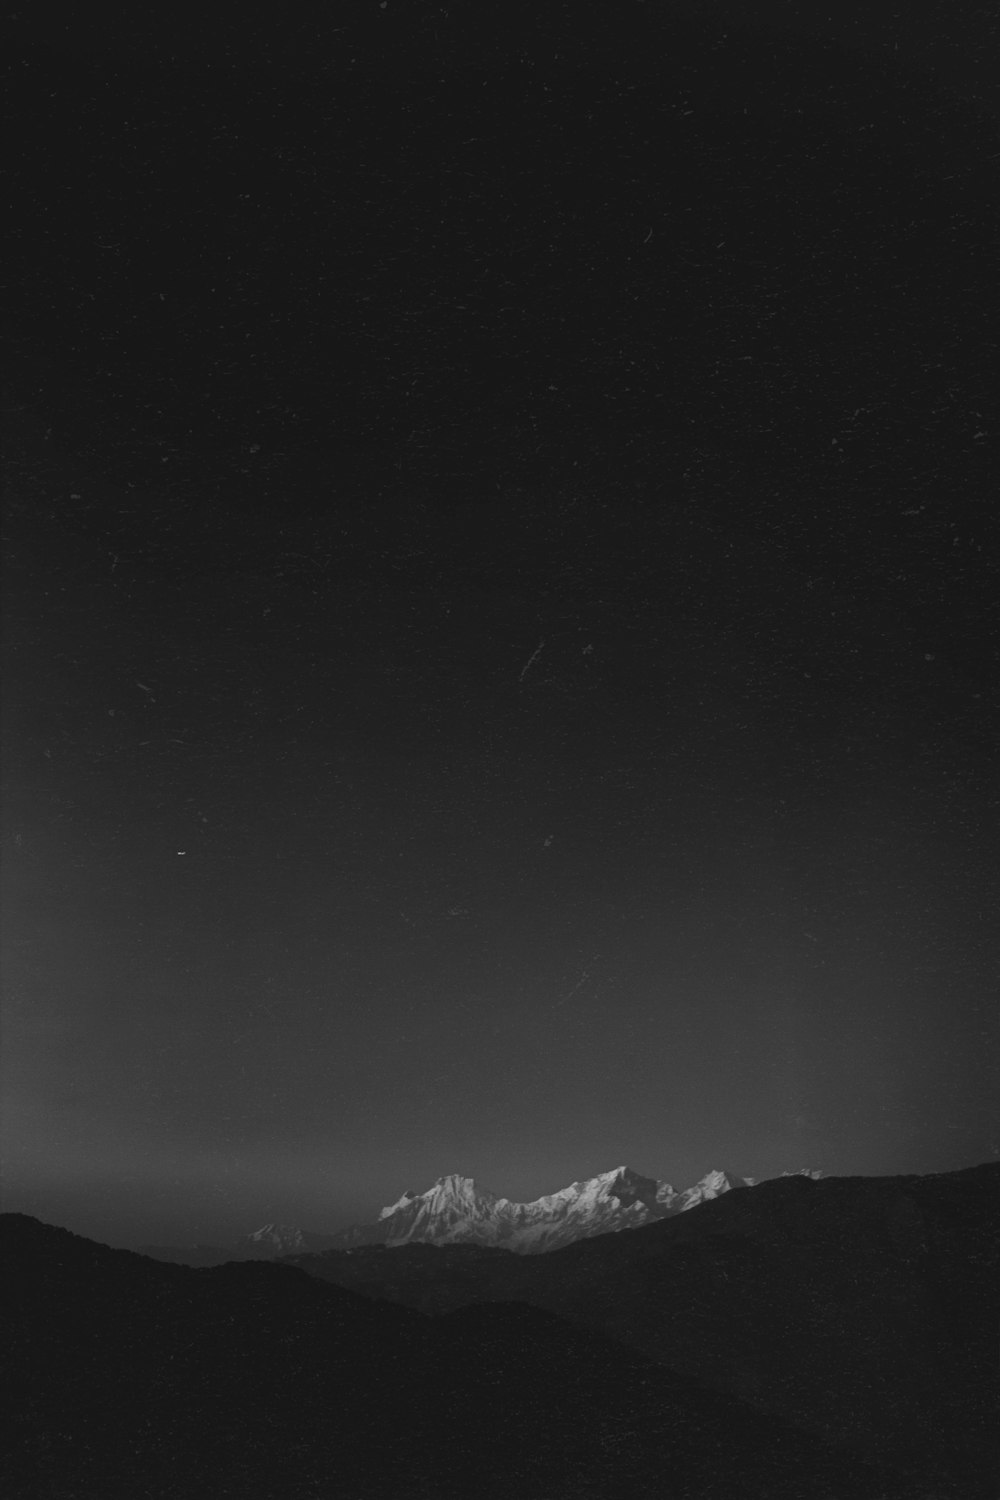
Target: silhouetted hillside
{"x": 128, "y": 1378}
{"x": 861, "y": 1309}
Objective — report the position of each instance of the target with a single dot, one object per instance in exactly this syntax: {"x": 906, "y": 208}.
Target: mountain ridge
{"x": 857, "y": 1314}
{"x": 259, "y": 1381}
{"x": 863, "y": 1309}
{"x": 455, "y": 1210}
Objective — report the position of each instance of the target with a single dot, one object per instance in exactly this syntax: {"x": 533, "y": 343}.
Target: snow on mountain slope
{"x": 456, "y": 1211}
{"x": 712, "y": 1185}
{"x": 283, "y": 1239}
{"x": 619, "y": 1199}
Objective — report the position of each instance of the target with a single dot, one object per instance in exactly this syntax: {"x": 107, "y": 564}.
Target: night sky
{"x": 499, "y": 640}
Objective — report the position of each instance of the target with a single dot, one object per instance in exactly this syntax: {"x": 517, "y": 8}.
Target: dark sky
{"x": 499, "y": 648}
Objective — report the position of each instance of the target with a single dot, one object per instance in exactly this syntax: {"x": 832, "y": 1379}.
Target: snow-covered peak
{"x": 280, "y": 1239}
{"x": 447, "y": 1192}
{"x": 712, "y": 1185}
{"x": 458, "y": 1187}
{"x": 455, "y": 1211}
{"x": 273, "y": 1240}
{"x": 407, "y": 1197}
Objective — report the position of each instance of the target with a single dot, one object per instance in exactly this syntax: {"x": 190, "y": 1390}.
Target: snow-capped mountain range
{"x": 287, "y": 1239}
{"x": 456, "y": 1211}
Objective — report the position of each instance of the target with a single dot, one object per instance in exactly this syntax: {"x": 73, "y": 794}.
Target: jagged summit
{"x": 274, "y": 1231}
{"x": 455, "y": 1210}
{"x": 407, "y": 1197}
{"x": 273, "y": 1240}
{"x": 454, "y": 1185}
{"x": 712, "y": 1185}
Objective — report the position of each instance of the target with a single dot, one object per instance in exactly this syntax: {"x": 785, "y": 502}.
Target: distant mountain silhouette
{"x": 268, "y": 1243}
{"x": 864, "y": 1310}
{"x": 128, "y": 1378}
{"x": 457, "y": 1210}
